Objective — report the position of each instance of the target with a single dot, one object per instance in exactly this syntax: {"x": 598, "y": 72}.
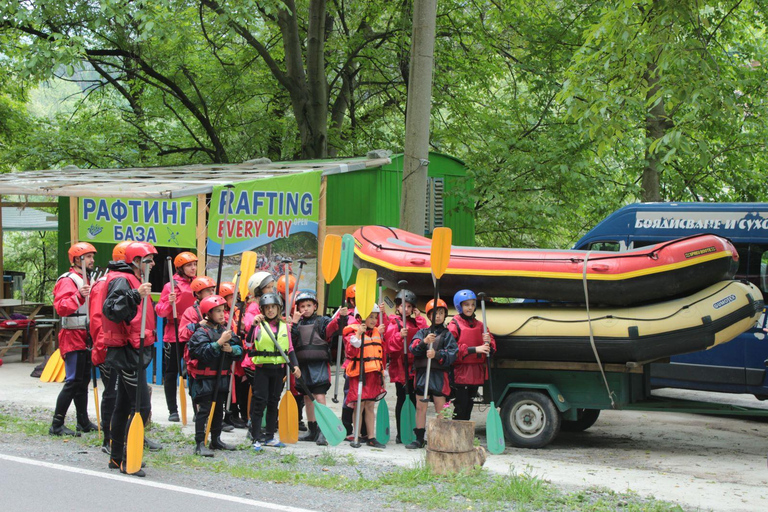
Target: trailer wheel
{"x": 530, "y": 419}
{"x": 586, "y": 418}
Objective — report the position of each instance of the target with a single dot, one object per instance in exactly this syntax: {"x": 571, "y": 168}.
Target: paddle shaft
{"x": 182, "y": 394}
{"x": 361, "y": 378}
{"x": 286, "y": 262}
{"x": 346, "y": 260}
{"x": 402, "y": 285}
{"x": 89, "y": 342}
{"x": 432, "y": 330}
{"x": 298, "y": 281}
{"x": 223, "y": 239}
{"x": 488, "y": 357}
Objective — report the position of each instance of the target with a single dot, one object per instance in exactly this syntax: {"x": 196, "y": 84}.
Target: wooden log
{"x": 451, "y": 436}
{"x": 442, "y": 463}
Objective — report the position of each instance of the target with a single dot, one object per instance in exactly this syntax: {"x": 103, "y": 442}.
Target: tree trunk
{"x": 416, "y": 155}
{"x": 656, "y": 124}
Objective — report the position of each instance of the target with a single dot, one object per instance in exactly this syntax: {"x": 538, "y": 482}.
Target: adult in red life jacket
{"x": 469, "y": 370}
{"x": 186, "y": 271}
{"x": 394, "y": 337}
{"x": 69, "y": 296}
{"x": 211, "y": 347}
{"x": 99, "y": 352}
{"x": 121, "y": 326}
{"x": 438, "y": 344}
{"x": 311, "y": 335}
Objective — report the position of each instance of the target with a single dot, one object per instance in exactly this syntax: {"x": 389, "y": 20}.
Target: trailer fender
{"x": 560, "y": 402}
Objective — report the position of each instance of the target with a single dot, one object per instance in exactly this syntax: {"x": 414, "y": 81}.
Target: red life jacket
{"x": 470, "y": 335}
{"x": 200, "y": 369}
{"x": 119, "y": 335}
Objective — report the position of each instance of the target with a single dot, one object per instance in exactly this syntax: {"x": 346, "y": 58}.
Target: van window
{"x": 763, "y": 276}
{"x": 604, "y": 246}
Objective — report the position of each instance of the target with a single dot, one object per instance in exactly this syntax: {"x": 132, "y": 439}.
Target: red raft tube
{"x": 649, "y": 274}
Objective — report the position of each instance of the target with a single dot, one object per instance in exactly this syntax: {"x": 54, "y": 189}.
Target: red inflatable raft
{"x": 659, "y": 272}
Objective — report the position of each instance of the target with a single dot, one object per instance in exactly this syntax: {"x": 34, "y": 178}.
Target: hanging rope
{"x": 591, "y": 334}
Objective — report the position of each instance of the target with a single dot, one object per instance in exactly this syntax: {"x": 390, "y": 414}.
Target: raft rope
{"x": 591, "y": 334}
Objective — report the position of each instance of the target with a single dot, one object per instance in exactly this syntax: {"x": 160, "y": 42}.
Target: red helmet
{"x": 281, "y": 284}
{"x": 201, "y": 283}
{"x": 440, "y": 304}
{"x": 80, "y": 249}
{"x": 226, "y": 289}
{"x": 351, "y": 289}
{"x": 183, "y": 258}
{"x": 118, "y": 253}
{"x": 211, "y": 302}
{"x": 138, "y": 250}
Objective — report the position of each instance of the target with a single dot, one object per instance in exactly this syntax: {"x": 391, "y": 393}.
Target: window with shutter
{"x": 434, "y": 217}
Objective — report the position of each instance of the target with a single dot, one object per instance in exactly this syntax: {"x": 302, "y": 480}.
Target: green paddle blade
{"x": 347, "y": 257}
{"x": 330, "y": 425}
{"x": 382, "y": 422}
{"x": 493, "y": 431}
{"x": 407, "y": 422}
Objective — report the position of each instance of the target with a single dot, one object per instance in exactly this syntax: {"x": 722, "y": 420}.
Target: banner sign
{"x": 162, "y": 222}
{"x": 264, "y": 211}
{"x": 726, "y": 223}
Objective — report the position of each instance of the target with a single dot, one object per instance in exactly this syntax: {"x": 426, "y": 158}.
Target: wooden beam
{"x": 74, "y": 204}
{"x": 342, "y": 230}
{"x": 321, "y": 232}
{"x": 32, "y": 204}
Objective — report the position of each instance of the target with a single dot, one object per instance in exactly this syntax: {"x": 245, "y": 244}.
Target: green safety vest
{"x": 266, "y": 353}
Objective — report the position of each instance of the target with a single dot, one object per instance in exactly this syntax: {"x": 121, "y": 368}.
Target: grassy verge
{"x": 414, "y": 486}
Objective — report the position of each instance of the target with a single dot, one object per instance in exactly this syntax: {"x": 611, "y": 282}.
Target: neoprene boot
{"x": 321, "y": 440}
{"x": 58, "y": 428}
{"x": 202, "y": 451}
{"x": 419, "y": 441}
{"x": 217, "y": 444}
{"x": 86, "y": 425}
{"x": 152, "y": 445}
{"x": 311, "y": 435}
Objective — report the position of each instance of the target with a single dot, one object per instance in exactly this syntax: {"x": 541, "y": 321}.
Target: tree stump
{"x": 451, "y": 447}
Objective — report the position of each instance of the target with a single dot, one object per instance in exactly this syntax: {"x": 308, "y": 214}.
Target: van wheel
{"x": 530, "y": 419}
{"x": 586, "y": 418}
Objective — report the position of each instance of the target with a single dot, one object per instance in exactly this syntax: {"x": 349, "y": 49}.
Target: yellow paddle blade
{"x": 247, "y": 268}
{"x": 183, "y": 401}
{"x": 365, "y": 291}
{"x": 210, "y": 420}
{"x": 331, "y": 257}
{"x": 61, "y": 371}
{"x": 288, "y": 419}
{"x": 441, "y": 251}
{"x": 134, "y": 444}
{"x": 49, "y": 372}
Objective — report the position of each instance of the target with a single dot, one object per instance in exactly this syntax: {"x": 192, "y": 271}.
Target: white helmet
{"x": 258, "y": 281}
{"x": 374, "y": 310}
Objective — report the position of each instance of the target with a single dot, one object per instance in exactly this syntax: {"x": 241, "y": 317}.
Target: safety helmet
{"x": 351, "y": 290}
{"x": 201, "y": 283}
{"x": 183, "y": 258}
{"x": 211, "y": 302}
{"x": 138, "y": 250}
{"x": 118, "y": 252}
{"x": 226, "y": 289}
{"x": 374, "y": 310}
{"x": 440, "y": 304}
{"x": 281, "y": 284}
{"x": 80, "y": 249}
{"x": 306, "y": 296}
{"x": 271, "y": 298}
{"x": 406, "y": 295}
{"x": 258, "y": 281}
{"x": 461, "y": 296}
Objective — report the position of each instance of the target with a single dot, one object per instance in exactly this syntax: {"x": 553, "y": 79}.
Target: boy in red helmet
{"x": 69, "y": 297}
{"x": 211, "y": 347}
{"x": 185, "y": 264}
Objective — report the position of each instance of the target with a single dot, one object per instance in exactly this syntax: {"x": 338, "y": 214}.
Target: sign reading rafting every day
{"x": 162, "y": 222}
{"x": 263, "y": 211}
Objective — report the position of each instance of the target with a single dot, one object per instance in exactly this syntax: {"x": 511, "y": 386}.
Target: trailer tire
{"x": 586, "y": 418}
{"x": 530, "y": 419}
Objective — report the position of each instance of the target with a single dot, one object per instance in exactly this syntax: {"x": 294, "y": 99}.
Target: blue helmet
{"x": 461, "y": 296}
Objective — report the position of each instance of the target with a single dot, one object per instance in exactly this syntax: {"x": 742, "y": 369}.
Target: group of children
{"x": 266, "y": 346}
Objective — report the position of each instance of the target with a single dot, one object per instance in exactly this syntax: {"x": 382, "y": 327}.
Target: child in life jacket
{"x": 311, "y": 335}
{"x": 201, "y": 287}
{"x": 470, "y": 368}
{"x": 438, "y": 344}
{"x": 212, "y": 349}
{"x": 237, "y": 414}
{"x": 395, "y": 337}
{"x": 365, "y": 339}
{"x": 269, "y": 369}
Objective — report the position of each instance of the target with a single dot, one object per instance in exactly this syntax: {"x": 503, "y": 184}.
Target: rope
{"x": 591, "y": 335}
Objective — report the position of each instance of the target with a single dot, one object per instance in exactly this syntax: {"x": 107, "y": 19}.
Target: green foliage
{"x": 33, "y": 252}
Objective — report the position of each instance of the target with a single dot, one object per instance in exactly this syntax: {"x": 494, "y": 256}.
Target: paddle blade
{"x": 347, "y": 257}
{"x": 61, "y": 371}
{"x": 330, "y": 425}
{"x": 331, "y": 257}
{"x": 441, "y": 251}
{"x": 247, "y": 268}
{"x": 494, "y": 431}
{"x": 208, "y": 425}
{"x": 134, "y": 444}
{"x": 49, "y": 372}
{"x": 365, "y": 293}
{"x": 407, "y": 422}
{"x": 382, "y": 422}
{"x": 288, "y": 419}
{"x": 183, "y": 401}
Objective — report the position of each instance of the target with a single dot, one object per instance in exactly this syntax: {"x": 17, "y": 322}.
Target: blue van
{"x": 738, "y": 366}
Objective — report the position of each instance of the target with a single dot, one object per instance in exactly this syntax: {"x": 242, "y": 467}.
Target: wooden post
{"x": 321, "y": 232}
{"x": 74, "y": 203}
{"x": 2, "y": 270}
{"x": 201, "y": 234}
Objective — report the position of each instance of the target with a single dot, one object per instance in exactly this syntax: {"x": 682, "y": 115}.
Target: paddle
{"x": 298, "y": 281}
{"x": 330, "y": 263}
{"x": 286, "y": 264}
{"x": 220, "y": 368}
{"x": 365, "y": 295}
{"x": 329, "y": 423}
{"x": 494, "y": 432}
{"x": 438, "y": 260}
{"x": 345, "y": 262}
{"x": 287, "y": 411}
{"x": 51, "y": 370}
{"x": 134, "y": 450}
{"x": 227, "y": 189}
{"x": 382, "y": 411}
{"x": 182, "y": 387}
{"x": 408, "y": 411}
{"x": 89, "y": 343}
{"x": 247, "y": 267}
